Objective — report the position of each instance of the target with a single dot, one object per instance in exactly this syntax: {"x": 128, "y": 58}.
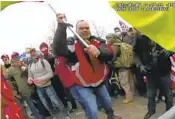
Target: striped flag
{"x": 172, "y": 58}
{"x": 123, "y": 26}
{"x": 23, "y": 56}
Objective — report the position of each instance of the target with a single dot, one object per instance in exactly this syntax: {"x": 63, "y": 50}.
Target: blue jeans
{"x": 46, "y": 93}
{"x": 87, "y": 98}
{"x": 33, "y": 108}
{"x": 99, "y": 104}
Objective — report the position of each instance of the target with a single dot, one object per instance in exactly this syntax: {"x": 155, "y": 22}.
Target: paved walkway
{"x": 135, "y": 110}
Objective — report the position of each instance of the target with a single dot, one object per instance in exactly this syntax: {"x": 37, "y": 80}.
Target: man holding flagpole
{"x": 82, "y": 69}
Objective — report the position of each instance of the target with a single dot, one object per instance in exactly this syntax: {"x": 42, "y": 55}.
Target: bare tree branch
{"x": 99, "y": 31}
{"x": 50, "y": 38}
{"x": 95, "y": 27}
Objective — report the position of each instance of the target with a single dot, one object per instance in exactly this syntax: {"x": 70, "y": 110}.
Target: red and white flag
{"x": 172, "y": 58}
{"x": 123, "y": 26}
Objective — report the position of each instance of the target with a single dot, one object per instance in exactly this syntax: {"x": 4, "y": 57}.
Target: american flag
{"x": 23, "y": 56}
{"x": 123, "y": 26}
{"x": 172, "y": 58}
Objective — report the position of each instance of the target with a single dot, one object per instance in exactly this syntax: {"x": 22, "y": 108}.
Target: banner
{"x": 156, "y": 19}
{"x": 4, "y": 4}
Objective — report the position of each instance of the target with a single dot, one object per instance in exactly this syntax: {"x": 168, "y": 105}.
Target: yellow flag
{"x": 156, "y": 19}
{"x": 4, "y": 4}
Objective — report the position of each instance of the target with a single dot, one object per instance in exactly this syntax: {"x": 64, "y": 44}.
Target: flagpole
{"x": 78, "y": 36}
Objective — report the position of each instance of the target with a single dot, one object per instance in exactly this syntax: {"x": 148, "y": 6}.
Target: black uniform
{"x": 142, "y": 50}
{"x": 155, "y": 64}
{"x": 160, "y": 79}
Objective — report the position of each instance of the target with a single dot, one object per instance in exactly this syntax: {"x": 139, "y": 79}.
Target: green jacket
{"x": 24, "y": 89}
{"x": 4, "y": 70}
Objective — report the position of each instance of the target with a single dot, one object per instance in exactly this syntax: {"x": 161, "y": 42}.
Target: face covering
{"x": 45, "y": 50}
{"x": 35, "y": 59}
{"x": 7, "y": 65}
{"x": 35, "y": 56}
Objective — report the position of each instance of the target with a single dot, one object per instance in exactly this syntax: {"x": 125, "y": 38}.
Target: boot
{"x": 149, "y": 114}
{"x": 114, "y": 117}
{"x": 128, "y": 100}
{"x": 111, "y": 115}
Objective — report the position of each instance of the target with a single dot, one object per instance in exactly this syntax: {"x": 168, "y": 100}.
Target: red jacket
{"x": 83, "y": 70}
{"x": 90, "y": 72}
{"x": 64, "y": 72}
{"x": 11, "y": 110}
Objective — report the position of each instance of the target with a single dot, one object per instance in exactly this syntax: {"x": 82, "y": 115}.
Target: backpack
{"x": 126, "y": 58}
{"x": 41, "y": 61}
{"x": 115, "y": 84}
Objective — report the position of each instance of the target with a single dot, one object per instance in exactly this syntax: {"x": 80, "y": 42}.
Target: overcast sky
{"x": 29, "y": 23}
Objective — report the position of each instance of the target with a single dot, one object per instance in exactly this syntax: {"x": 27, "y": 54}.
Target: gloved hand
{"x": 111, "y": 65}
{"x": 69, "y": 25}
{"x": 61, "y": 18}
{"x": 143, "y": 69}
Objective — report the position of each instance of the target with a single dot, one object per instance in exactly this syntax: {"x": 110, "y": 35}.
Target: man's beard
{"x": 86, "y": 37}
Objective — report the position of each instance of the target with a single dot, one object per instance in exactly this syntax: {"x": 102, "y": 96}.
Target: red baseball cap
{"x": 4, "y": 56}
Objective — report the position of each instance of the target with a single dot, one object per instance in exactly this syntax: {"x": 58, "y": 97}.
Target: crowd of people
{"x": 122, "y": 64}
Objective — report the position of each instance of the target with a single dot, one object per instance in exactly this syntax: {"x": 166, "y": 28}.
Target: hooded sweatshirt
{"x": 41, "y": 72}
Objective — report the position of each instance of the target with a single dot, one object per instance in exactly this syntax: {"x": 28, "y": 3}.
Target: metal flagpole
{"x": 78, "y": 36}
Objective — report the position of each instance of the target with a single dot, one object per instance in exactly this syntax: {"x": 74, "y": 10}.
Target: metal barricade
{"x": 169, "y": 114}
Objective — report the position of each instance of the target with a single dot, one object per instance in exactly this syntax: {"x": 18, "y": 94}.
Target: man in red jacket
{"x": 83, "y": 70}
{"x": 58, "y": 86}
